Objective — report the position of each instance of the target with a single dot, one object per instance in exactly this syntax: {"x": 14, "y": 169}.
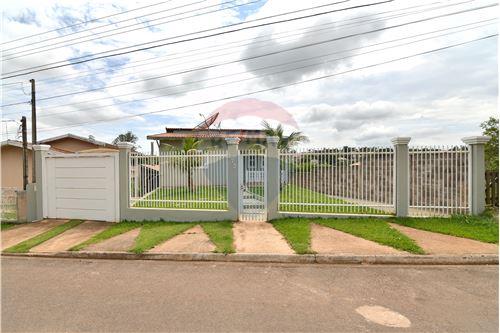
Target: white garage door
{"x": 82, "y": 187}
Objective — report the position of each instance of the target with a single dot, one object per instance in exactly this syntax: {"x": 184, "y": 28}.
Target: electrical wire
{"x": 85, "y": 22}
{"x": 242, "y": 59}
{"x": 253, "y": 70}
{"x": 205, "y": 51}
{"x": 33, "y": 70}
{"x": 273, "y": 88}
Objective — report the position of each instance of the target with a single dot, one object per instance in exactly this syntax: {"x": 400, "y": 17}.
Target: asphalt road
{"x": 51, "y": 295}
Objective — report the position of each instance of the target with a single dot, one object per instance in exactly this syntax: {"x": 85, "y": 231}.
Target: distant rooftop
{"x": 181, "y": 133}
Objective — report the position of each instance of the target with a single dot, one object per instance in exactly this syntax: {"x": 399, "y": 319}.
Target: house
{"x": 71, "y": 143}
{"x": 12, "y": 155}
{"x": 210, "y": 137}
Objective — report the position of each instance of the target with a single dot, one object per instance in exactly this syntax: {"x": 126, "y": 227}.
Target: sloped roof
{"x": 175, "y": 133}
{"x": 77, "y": 137}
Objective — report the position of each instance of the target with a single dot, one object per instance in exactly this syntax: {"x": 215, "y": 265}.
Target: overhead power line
{"x": 98, "y": 27}
{"x": 75, "y": 61}
{"x": 257, "y": 69}
{"x": 85, "y": 22}
{"x": 257, "y": 40}
{"x": 205, "y": 50}
{"x": 97, "y": 36}
{"x": 243, "y": 59}
{"x": 272, "y": 88}
{"x": 323, "y": 62}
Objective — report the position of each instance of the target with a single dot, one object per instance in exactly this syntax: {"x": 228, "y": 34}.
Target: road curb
{"x": 473, "y": 259}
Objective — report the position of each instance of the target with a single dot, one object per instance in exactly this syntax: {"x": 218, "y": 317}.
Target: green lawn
{"x": 154, "y": 233}
{"x": 221, "y": 234}
{"x": 297, "y": 232}
{"x": 7, "y": 225}
{"x": 483, "y": 228}
{"x": 294, "y": 195}
{"x": 199, "y": 193}
{"x": 25, "y": 246}
{"x": 114, "y": 230}
{"x": 376, "y": 230}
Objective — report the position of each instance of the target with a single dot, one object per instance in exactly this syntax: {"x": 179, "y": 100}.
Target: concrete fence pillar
{"x": 273, "y": 179}
{"x": 476, "y": 177}
{"x": 40, "y": 152}
{"x": 233, "y": 186}
{"x": 401, "y": 176}
{"x": 124, "y": 189}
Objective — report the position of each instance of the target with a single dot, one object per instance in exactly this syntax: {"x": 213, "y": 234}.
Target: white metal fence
{"x": 179, "y": 180}
{"x": 328, "y": 180}
{"x": 439, "y": 180}
{"x": 252, "y": 180}
{"x": 345, "y": 180}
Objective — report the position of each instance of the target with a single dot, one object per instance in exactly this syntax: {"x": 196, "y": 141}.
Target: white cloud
{"x": 436, "y": 98}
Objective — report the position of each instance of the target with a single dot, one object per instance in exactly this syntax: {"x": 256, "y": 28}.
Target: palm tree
{"x": 126, "y": 137}
{"x": 285, "y": 142}
{"x": 189, "y": 147}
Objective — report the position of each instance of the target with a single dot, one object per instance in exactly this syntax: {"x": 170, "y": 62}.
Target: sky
{"x": 337, "y": 74}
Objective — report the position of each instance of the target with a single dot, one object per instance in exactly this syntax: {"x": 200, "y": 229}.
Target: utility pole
{"x": 25, "y": 152}
{"x": 33, "y": 129}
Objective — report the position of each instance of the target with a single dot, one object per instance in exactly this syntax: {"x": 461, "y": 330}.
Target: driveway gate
{"x": 252, "y": 183}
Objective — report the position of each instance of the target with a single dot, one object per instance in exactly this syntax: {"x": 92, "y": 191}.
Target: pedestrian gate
{"x": 252, "y": 178}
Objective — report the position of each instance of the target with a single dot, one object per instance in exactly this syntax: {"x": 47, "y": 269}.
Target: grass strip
{"x": 115, "y": 230}
{"x": 297, "y": 232}
{"x": 483, "y": 228}
{"x": 376, "y": 230}
{"x": 7, "y": 225}
{"x": 154, "y": 233}
{"x": 221, "y": 234}
{"x": 25, "y": 246}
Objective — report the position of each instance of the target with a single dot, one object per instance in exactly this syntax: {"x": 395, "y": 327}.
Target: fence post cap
{"x": 476, "y": 140}
{"x": 401, "y": 140}
{"x": 232, "y": 141}
{"x": 41, "y": 147}
{"x": 125, "y": 145}
{"x": 272, "y": 139}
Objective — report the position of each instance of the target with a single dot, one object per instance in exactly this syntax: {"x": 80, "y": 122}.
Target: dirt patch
{"x": 72, "y": 237}
{"x": 435, "y": 243}
{"x": 24, "y": 232}
{"x": 331, "y": 241}
{"x": 193, "y": 240}
{"x": 259, "y": 237}
{"x": 120, "y": 243}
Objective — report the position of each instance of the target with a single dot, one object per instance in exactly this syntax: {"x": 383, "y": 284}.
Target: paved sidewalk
{"x": 193, "y": 240}
{"x": 259, "y": 237}
{"x": 24, "y": 232}
{"x": 435, "y": 243}
{"x": 72, "y": 237}
{"x": 331, "y": 241}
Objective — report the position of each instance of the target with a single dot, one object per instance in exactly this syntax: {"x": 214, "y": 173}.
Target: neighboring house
{"x": 213, "y": 138}
{"x": 12, "y": 155}
{"x": 209, "y": 170}
{"x": 71, "y": 143}
{"x": 12, "y": 164}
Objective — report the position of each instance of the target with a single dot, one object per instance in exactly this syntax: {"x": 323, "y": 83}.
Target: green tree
{"x": 285, "y": 142}
{"x": 490, "y": 128}
{"x": 126, "y": 137}
{"x": 190, "y": 146}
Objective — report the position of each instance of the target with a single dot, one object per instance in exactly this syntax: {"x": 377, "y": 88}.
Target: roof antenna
{"x": 207, "y": 122}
